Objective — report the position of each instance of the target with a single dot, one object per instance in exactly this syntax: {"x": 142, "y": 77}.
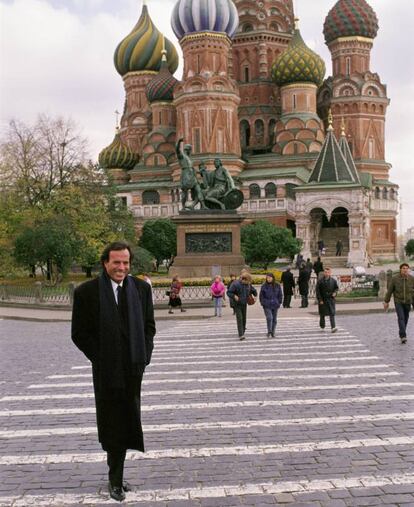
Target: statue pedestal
{"x": 208, "y": 244}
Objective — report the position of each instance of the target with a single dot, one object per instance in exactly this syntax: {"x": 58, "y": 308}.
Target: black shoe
{"x": 403, "y": 339}
{"x": 116, "y": 492}
{"x": 126, "y": 486}
{"x": 182, "y": 309}
{"x": 241, "y": 338}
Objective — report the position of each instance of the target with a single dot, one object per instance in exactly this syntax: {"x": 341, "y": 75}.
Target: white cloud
{"x": 56, "y": 57}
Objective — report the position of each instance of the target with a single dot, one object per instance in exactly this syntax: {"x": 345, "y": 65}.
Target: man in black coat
{"x": 303, "y": 282}
{"x": 326, "y": 291}
{"x": 113, "y": 325}
{"x": 288, "y": 282}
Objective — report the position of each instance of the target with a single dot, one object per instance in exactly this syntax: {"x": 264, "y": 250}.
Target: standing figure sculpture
{"x": 188, "y": 177}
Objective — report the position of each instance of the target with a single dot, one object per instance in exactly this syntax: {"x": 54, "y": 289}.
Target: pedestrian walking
{"x": 113, "y": 325}
{"x": 321, "y": 247}
{"x": 218, "y": 291}
{"x": 174, "y": 295}
{"x": 288, "y": 282}
{"x": 299, "y": 261}
{"x": 309, "y": 265}
{"x": 242, "y": 292}
{"x": 402, "y": 288}
{"x": 271, "y": 298}
{"x": 326, "y": 291}
{"x": 318, "y": 267}
{"x": 303, "y": 282}
{"x": 339, "y": 248}
{"x": 233, "y": 278}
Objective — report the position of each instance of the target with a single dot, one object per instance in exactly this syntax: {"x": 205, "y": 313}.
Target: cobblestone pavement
{"x": 306, "y": 419}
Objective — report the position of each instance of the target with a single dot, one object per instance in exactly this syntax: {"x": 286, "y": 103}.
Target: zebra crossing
{"x": 301, "y": 416}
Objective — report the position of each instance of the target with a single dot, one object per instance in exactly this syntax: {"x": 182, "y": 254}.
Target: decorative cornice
{"x": 352, "y": 38}
{"x": 299, "y": 85}
{"x": 204, "y": 35}
{"x": 140, "y": 73}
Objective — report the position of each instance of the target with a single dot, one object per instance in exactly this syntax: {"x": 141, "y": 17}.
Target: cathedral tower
{"x": 138, "y": 59}
{"x": 264, "y": 32}
{"x": 207, "y": 98}
{"x": 354, "y": 92}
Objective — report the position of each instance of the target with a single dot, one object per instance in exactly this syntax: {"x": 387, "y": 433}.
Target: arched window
{"x": 371, "y": 148}
{"x": 377, "y": 193}
{"x": 272, "y": 125}
{"x": 247, "y": 27}
{"x": 150, "y": 197}
{"x": 245, "y": 133}
{"x": 348, "y": 65}
{"x": 259, "y": 130}
{"x": 385, "y": 193}
{"x": 254, "y": 191}
{"x": 246, "y": 74}
{"x": 270, "y": 191}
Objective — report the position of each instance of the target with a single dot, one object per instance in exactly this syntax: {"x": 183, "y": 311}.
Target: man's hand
{"x": 386, "y": 305}
{"x": 236, "y": 298}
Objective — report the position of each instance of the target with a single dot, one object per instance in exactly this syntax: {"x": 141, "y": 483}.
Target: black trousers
{"x": 241, "y": 312}
{"x": 116, "y": 460}
{"x": 286, "y": 300}
{"x": 322, "y": 321}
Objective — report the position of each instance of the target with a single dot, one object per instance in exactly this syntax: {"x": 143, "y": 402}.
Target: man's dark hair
{"x": 116, "y": 246}
{"x": 403, "y": 265}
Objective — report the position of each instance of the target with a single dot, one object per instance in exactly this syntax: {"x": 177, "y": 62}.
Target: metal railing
{"x": 40, "y": 293}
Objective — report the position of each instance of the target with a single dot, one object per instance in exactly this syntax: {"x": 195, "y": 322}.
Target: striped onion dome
{"x": 349, "y": 18}
{"x": 141, "y": 49}
{"x": 190, "y": 16}
{"x": 117, "y": 155}
{"x": 161, "y": 88}
{"x": 298, "y": 64}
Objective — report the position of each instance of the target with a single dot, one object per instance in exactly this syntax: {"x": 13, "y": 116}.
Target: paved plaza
{"x": 305, "y": 419}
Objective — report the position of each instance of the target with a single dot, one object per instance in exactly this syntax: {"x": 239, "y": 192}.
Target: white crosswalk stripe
{"x": 199, "y": 377}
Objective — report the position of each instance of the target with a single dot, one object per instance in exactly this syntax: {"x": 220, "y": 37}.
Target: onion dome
{"x": 190, "y": 16}
{"x": 298, "y": 64}
{"x": 350, "y": 18}
{"x": 141, "y": 49}
{"x": 161, "y": 88}
{"x": 117, "y": 155}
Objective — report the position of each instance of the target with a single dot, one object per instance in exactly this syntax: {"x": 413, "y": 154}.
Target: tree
{"x": 51, "y": 244}
{"x": 143, "y": 261}
{"x": 36, "y": 160}
{"x": 159, "y": 236}
{"x": 409, "y": 248}
{"x": 263, "y": 242}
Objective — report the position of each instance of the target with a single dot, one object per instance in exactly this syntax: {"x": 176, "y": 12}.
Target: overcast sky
{"x": 56, "y": 57}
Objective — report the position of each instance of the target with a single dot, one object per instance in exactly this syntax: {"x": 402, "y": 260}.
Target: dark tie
{"x": 118, "y": 295}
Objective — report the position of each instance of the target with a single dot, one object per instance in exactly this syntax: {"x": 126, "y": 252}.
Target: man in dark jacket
{"x": 303, "y": 282}
{"x": 318, "y": 267}
{"x": 113, "y": 325}
{"x": 326, "y": 291}
{"x": 288, "y": 282}
{"x": 271, "y": 298}
{"x": 402, "y": 288}
{"x": 239, "y": 293}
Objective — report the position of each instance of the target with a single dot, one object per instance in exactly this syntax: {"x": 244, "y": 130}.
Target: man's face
{"x": 117, "y": 266}
{"x": 404, "y": 270}
{"x": 217, "y": 163}
{"x": 327, "y": 272}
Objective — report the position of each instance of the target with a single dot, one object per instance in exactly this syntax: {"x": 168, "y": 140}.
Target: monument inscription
{"x": 209, "y": 242}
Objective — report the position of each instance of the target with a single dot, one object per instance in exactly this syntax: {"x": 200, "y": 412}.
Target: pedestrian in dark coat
{"x": 233, "y": 278}
{"x": 326, "y": 291}
{"x": 318, "y": 267}
{"x": 113, "y": 325}
{"x": 271, "y": 298}
{"x": 239, "y": 292}
{"x": 303, "y": 282}
{"x": 288, "y": 282}
{"x": 339, "y": 248}
{"x": 299, "y": 261}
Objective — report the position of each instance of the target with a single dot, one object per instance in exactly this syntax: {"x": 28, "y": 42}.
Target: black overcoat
{"x": 326, "y": 290}
{"x": 303, "y": 282}
{"x": 288, "y": 282}
{"x": 118, "y": 412}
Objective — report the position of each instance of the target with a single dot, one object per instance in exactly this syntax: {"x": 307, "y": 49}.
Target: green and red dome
{"x": 161, "y": 87}
{"x": 349, "y": 18}
{"x": 117, "y": 155}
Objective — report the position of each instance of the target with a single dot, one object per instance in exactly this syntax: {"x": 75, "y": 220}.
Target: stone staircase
{"x": 330, "y": 235}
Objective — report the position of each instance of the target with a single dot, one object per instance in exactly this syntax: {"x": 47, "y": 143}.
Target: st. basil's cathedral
{"x": 308, "y": 152}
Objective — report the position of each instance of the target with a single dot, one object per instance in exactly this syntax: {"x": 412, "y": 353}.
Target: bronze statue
{"x": 188, "y": 177}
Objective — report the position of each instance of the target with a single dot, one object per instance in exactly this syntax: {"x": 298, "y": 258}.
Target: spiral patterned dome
{"x": 298, "y": 64}
{"x": 117, "y": 155}
{"x": 350, "y": 18}
{"x": 190, "y": 16}
{"x": 141, "y": 49}
{"x": 161, "y": 88}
